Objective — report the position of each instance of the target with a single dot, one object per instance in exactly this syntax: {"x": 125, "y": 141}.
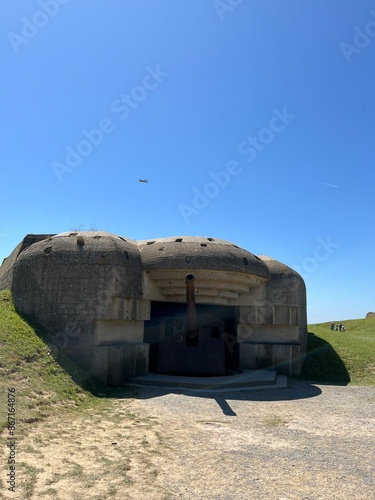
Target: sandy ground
{"x": 302, "y": 442}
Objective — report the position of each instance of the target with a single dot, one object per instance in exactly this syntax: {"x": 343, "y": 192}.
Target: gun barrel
{"x": 192, "y": 325}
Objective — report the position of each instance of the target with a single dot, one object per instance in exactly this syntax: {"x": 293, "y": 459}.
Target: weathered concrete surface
{"x": 193, "y": 252}
{"x": 277, "y": 322}
{"x": 6, "y": 269}
{"x": 101, "y": 294}
{"x": 68, "y": 281}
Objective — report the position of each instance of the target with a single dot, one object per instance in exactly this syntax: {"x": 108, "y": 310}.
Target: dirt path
{"x": 303, "y": 442}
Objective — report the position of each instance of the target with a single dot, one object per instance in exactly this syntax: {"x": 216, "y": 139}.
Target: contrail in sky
{"x": 326, "y": 184}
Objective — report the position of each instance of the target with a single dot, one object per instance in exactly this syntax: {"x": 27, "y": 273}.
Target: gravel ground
{"x": 302, "y": 442}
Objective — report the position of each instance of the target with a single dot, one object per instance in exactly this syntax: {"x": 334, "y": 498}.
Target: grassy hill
{"x": 43, "y": 385}
{"x": 342, "y": 357}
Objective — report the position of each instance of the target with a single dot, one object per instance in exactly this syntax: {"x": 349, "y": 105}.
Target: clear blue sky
{"x": 277, "y": 94}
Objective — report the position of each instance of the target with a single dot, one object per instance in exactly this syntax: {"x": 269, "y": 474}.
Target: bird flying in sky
{"x": 143, "y": 180}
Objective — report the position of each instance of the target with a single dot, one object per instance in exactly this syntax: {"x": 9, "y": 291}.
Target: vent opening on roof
{"x": 178, "y": 240}
{"x": 203, "y": 244}
{"x": 211, "y": 239}
{"x": 245, "y": 261}
{"x": 150, "y": 242}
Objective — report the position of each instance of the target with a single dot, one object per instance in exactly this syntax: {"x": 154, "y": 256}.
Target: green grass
{"x": 341, "y": 357}
{"x": 44, "y": 385}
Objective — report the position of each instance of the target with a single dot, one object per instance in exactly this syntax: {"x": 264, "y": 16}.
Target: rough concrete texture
{"x": 192, "y": 252}
{"x": 105, "y": 298}
{"x": 68, "y": 281}
{"x": 6, "y": 269}
{"x": 370, "y": 315}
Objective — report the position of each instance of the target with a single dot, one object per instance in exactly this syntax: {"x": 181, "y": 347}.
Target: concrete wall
{"x": 93, "y": 290}
{"x": 272, "y": 332}
{"x": 69, "y": 281}
{"x": 6, "y": 274}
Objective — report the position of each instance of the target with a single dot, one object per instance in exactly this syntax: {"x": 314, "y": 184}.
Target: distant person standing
{"x": 332, "y": 325}
{"x": 340, "y": 327}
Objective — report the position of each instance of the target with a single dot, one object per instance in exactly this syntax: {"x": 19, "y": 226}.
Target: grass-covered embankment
{"x": 342, "y": 357}
{"x": 43, "y": 385}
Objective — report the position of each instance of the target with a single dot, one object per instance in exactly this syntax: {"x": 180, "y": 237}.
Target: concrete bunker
{"x": 178, "y": 305}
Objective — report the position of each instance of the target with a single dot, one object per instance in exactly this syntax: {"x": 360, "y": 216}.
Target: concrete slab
{"x": 247, "y": 379}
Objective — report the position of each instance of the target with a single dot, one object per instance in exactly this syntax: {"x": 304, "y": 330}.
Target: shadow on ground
{"x": 322, "y": 363}
{"x": 296, "y": 390}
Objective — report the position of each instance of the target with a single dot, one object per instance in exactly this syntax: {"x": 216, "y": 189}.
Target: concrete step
{"x": 244, "y": 380}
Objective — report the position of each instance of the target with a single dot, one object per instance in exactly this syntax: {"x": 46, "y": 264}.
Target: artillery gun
{"x": 194, "y": 344}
